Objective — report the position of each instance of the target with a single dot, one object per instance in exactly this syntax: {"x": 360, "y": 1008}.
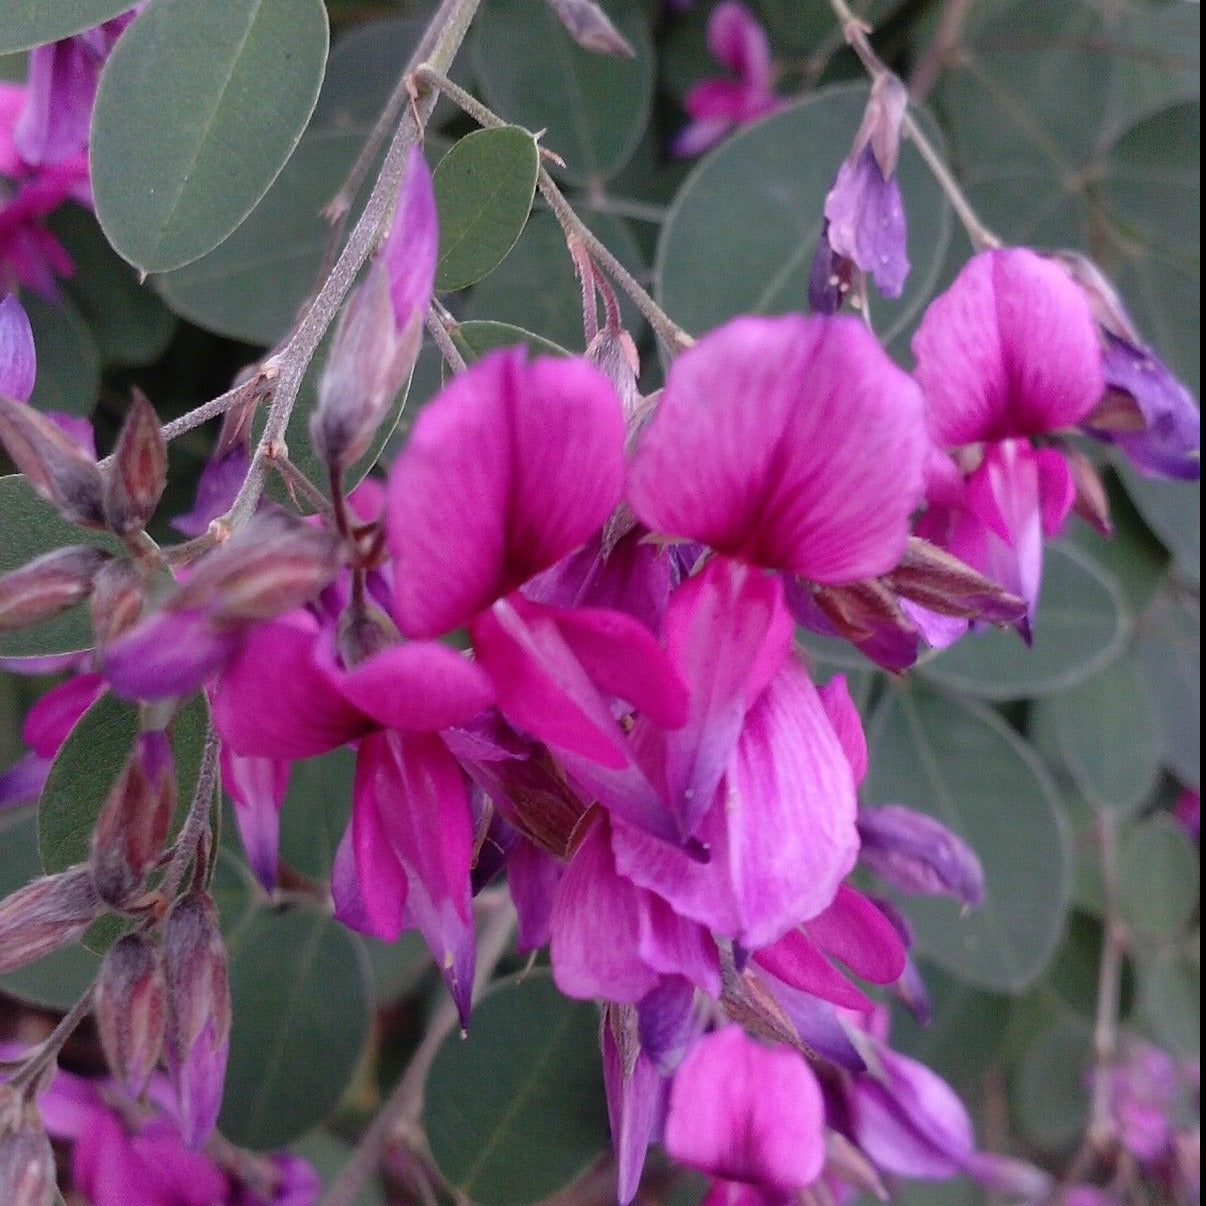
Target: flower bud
{"x": 197, "y": 1035}
{"x": 27, "y": 1176}
{"x": 17, "y": 356}
{"x": 129, "y": 1010}
{"x": 48, "y": 585}
{"x": 1092, "y": 503}
{"x": 46, "y": 914}
{"x": 590, "y": 27}
{"x": 933, "y": 578}
{"x": 57, "y": 468}
{"x": 134, "y": 820}
{"x": 118, "y": 594}
{"x": 274, "y": 564}
{"x": 139, "y": 471}
{"x": 918, "y": 855}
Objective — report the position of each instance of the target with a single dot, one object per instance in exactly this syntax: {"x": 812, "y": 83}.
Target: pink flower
{"x": 746, "y": 1112}
{"x": 718, "y": 105}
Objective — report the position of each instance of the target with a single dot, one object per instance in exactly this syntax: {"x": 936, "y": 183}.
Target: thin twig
{"x": 299, "y": 483}
{"x": 405, "y": 1104}
{"x": 219, "y": 405}
{"x": 1100, "y": 1132}
{"x": 939, "y": 51}
{"x": 44, "y": 1054}
{"x": 668, "y": 331}
{"x": 439, "y": 328}
{"x": 856, "y": 32}
{"x": 447, "y": 31}
{"x": 197, "y": 819}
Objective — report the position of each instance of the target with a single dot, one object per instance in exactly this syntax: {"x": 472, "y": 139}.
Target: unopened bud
{"x": 591, "y": 28}
{"x": 932, "y": 577}
{"x": 139, "y": 471}
{"x": 858, "y": 610}
{"x": 129, "y": 1010}
{"x": 918, "y": 855}
{"x": 57, "y": 468}
{"x": 48, "y": 585}
{"x": 27, "y": 1176}
{"x": 274, "y": 564}
{"x": 1092, "y": 503}
{"x": 1102, "y": 297}
{"x": 850, "y": 1166}
{"x": 750, "y": 1004}
{"x": 46, "y": 914}
{"x": 134, "y": 820}
{"x": 881, "y": 121}
{"x": 197, "y": 1036}
{"x": 118, "y": 594}
{"x": 364, "y": 630}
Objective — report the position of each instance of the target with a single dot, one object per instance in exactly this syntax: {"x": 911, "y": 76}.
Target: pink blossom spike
{"x": 351, "y": 907}
{"x": 847, "y": 724}
{"x": 53, "y": 715}
{"x": 792, "y": 443}
{"x": 511, "y": 467}
{"x": 18, "y": 359}
{"x": 790, "y": 811}
{"x": 634, "y": 1097}
{"x": 738, "y": 41}
{"x": 410, "y": 247}
{"x": 283, "y": 715}
{"x": 169, "y": 653}
{"x": 747, "y": 1112}
{"x": 532, "y": 879}
{"x": 257, "y": 787}
{"x": 853, "y": 930}
{"x": 799, "y": 962}
{"x": 1010, "y": 349}
{"x": 420, "y": 686}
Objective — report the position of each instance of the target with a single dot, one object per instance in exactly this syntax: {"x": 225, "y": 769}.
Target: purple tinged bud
{"x": 590, "y": 27}
{"x": 1104, "y": 300}
{"x": 134, "y": 820}
{"x": 27, "y": 1173}
{"x": 129, "y": 1010}
{"x": 57, "y": 467}
{"x": 18, "y": 360}
{"x": 170, "y": 653}
{"x": 1092, "y": 503}
{"x": 118, "y": 596}
{"x": 139, "y": 471}
{"x": 197, "y": 1036}
{"x": 46, "y": 914}
{"x": 881, "y": 123}
{"x": 918, "y": 855}
{"x": 48, "y": 585}
{"x": 381, "y": 328}
{"x": 932, "y": 577}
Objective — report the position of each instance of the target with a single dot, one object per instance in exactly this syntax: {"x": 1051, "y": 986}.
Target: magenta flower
{"x": 719, "y": 105}
{"x": 18, "y": 359}
{"x": 918, "y": 855}
{"x": 411, "y": 835}
{"x": 746, "y": 1112}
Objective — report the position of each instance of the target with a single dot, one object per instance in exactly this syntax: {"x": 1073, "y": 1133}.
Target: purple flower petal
{"x": 18, "y": 359}
{"x": 866, "y": 222}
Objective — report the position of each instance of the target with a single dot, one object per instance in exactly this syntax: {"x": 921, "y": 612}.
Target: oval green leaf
{"x": 301, "y": 996}
{"x": 198, "y": 109}
{"x": 1081, "y": 627}
{"x": 1049, "y": 1098}
{"x": 1171, "y": 994}
{"x": 516, "y": 1110}
{"x": 1174, "y": 511}
{"x": 1169, "y": 657}
{"x": 1108, "y": 737}
{"x": 90, "y": 760}
{"x": 741, "y": 233}
{"x": 483, "y": 188}
{"x": 26, "y": 23}
{"x": 593, "y": 107}
{"x": 1157, "y": 878}
{"x": 68, "y": 362}
{"x": 57, "y": 980}
{"x": 31, "y": 527}
{"x": 962, "y": 764}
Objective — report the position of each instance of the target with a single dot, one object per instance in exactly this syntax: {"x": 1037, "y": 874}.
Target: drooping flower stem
{"x": 197, "y": 820}
{"x": 439, "y": 326}
{"x": 445, "y": 35}
{"x": 856, "y": 31}
{"x": 35, "y": 1062}
{"x": 668, "y": 331}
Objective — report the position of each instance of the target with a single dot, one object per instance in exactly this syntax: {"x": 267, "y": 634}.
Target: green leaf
{"x": 535, "y": 287}
{"x": 1174, "y": 511}
{"x": 962, "y": 764}
{"x": 315, "y": 811}
{"x": 515, "y": 1111}
{"x": 57, "y": 980}
{"x": 1171, "y": 994}
{"x": 1169, "y": 657}
{"x": 26, "y": 23}
{"x": 68, "y": 363}
{"x": 31, "y": 527}
{"x": 198, "y": 109}
{"x": 483, "y": 188}
{"x": 90, "y": 760}
{"x": 594, "y": 107}
{"x": 1081, "y": 627}
{"x": 742, "y": 231}
{"x": 1108, "y": 736}
{"x": 130, "y": 324}
{"x": 301, "y": 995}
{"x": 474, "y": 339}
{"x": 1049, "y": 1099}
{"x": 1157, "y": 878}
